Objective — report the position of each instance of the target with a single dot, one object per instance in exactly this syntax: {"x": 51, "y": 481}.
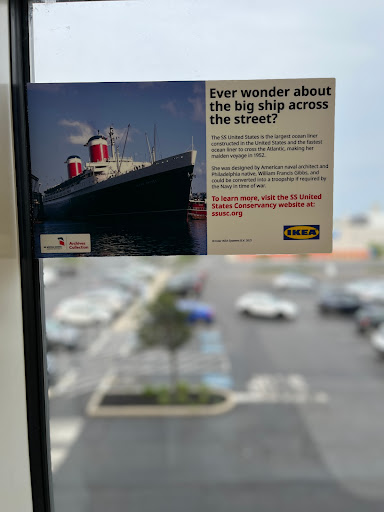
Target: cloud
{"x": 82, "y": 131}
{"x": 198, "y": 88}
{"x": 198, "y": 108}
{"x": 200, "y": 169}
{"x": 172, "y": 108}
{"x": 119, "y": 134}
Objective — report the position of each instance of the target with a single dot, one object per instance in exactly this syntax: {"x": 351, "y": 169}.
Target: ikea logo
{"x": 301, "y": 232}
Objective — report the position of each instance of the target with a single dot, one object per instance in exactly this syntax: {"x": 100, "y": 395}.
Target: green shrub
{"x": 203, "y": 394}
{"x": 163, "y": 396}
{"x": 149, "y": 392}
{"x": 182, "y": 393}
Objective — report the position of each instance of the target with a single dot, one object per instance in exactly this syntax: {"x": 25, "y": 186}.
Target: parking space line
{"x": 63, "y": 433}
{"x": 63, "y": 384}
{"x": 284, "y": 389}
{"x": 130, "y": 319}
{"x": 98, "y": 345}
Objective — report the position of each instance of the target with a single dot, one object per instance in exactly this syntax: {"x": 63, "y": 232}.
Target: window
{"x": 290, "y": 392}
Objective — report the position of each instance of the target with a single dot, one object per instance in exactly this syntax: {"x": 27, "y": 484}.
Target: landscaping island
{"x": 167, "y": 328}
{"x": 160, "y": 402}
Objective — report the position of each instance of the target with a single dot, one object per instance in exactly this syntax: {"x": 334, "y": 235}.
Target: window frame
{"x": 30, "y": 268}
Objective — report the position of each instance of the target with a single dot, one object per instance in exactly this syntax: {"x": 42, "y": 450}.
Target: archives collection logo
{"x": 72, "y": 243}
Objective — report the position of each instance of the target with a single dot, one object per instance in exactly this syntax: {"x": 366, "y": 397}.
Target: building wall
{"x": 15, "y": 488}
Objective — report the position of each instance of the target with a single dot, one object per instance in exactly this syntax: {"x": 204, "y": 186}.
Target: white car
{"x": 127, "y": 280}
{"x": 377, "y": 340}
{"x": 293, "y": 281}
{"x": 359, "y": 286}
{"x": 59, "y": 336}
{"x": 144, "y": 271}
{"x": 113, "y": 299}
{"x": 266, "y": 305}
{"x": 49, "y": 276}
{"x": 82, "y": 313}
{"x": 367, "y": 290}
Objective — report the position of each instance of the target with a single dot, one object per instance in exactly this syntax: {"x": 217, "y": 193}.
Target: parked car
{"x": 369, "y": 317}
{"x": 67, "y": 267}
{"x": 367, "y": 290}
{"x": 186, "y": 283}
{"x": 335, "y": 301}
{"x": 113, "y": 299}
{"x": 197, "y": 311}
{"x": 52, "y": 369}
{"x": 81, "y": 313}
{"x": 374, "y": 294}
{"x": 128, "y": 280}
{"x": 266, "y": 305}
{"x": 49, "y": 276}
{"x": 293, "y": 281}
{"x": 358, "y": 287}
{"x": 144, "y": 271}
{"x": 59, "y": 336}
{"x": 377, "y": 340}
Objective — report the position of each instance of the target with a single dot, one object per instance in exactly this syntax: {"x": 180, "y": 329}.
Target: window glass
{"x": 274, "y": 404}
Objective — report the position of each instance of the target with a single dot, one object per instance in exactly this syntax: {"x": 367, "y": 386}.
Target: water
{"x": 143, "y": 237}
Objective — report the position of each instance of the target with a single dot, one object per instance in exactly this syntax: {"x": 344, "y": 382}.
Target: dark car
{"x": 369, "y": 317}
{"x": 186, "y": 283}
{"x": 68, "y": 267}
{"x": 338, "y": 302}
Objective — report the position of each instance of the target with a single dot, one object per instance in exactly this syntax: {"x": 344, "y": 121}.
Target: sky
{"x": 154, "y": 40}
{"x": 62, "y": 118}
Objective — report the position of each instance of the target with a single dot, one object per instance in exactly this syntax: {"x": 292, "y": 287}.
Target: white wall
{"x": 15, "y": 489}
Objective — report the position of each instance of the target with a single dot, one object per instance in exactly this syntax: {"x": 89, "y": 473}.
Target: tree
{"x": 167, "y": 327}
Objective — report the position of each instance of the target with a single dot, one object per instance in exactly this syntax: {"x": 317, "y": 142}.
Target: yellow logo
{"x": 301, "y": 232}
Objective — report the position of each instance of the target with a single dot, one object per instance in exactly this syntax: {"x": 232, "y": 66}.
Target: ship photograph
{"x": 101, "y": 172}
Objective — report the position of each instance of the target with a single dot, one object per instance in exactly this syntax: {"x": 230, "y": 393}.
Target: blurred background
{"x": 293, "y": 344}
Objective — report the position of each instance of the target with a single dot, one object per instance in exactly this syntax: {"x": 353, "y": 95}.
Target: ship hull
{"x": 159, "y": 193}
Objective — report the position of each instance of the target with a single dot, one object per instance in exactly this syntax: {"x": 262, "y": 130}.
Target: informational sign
{"x": 218, "y": 167}
{"x": 270, "y": 166}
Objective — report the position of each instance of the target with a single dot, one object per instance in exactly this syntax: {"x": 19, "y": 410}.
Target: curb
{"x": 94, "y": 408}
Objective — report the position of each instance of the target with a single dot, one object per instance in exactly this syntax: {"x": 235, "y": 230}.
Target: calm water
{"x": 133, "y": 238}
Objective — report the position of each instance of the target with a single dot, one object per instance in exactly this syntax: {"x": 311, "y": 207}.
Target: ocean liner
{"x": 114, "y": 185}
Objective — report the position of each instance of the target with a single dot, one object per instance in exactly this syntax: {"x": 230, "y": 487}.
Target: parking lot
{"x": 305, "y": 433}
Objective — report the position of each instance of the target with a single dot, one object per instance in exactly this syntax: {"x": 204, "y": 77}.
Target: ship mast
{"x": 149, "y": 149}
{"x": 113, "y": 147}
{"x": 125, "y": 142}
{"x": 152, "y": 150}
{"x": 154, "y": 145}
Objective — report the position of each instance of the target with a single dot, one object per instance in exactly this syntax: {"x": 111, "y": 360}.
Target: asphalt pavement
{"x": 306, "y": 433}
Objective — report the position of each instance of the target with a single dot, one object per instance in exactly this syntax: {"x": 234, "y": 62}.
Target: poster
{"x": 167, "y": 168}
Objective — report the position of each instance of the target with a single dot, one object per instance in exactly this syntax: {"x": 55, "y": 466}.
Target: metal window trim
{"x": 30, "y": 268}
